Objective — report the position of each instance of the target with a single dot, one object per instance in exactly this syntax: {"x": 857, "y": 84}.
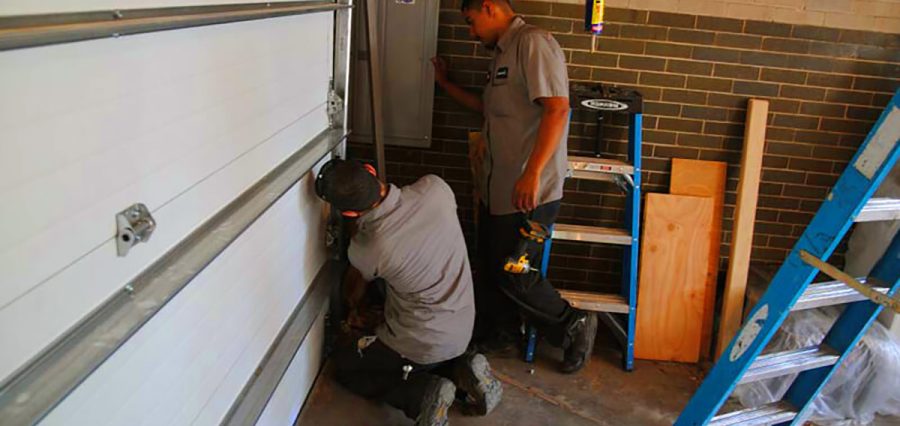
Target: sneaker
{"x": 473, "y": 375}
{"x": 583, "y": 331}
{"x": 436, "y": 403}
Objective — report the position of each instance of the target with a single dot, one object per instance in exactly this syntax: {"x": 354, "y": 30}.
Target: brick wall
{"x": 826, "y": 87}
{"x": 871, "y": 15}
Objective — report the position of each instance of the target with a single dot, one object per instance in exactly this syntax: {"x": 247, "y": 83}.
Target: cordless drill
{"x": 518, "y": 262}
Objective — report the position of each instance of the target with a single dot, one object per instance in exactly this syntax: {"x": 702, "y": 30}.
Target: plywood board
{"x": 744, "y": 217}
{"x": 674, "y": 265}
{"x": 704, "y": 179}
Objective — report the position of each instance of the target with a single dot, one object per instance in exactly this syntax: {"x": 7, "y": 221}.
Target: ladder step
{"x": 596, "y": 302}
{"x": 591, "y": 234}
{"x": 880, "y": 209}
{"x": 598, "y": 168}
{"x": 787, "y": 362}
{"x": 776, "y": 412}
{"x": 830, "y": 293}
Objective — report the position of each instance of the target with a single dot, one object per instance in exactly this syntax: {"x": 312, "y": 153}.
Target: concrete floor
{"x": 601, "y": 394}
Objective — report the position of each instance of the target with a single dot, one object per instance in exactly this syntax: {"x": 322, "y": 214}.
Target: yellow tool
{"x": 530, "y": 231}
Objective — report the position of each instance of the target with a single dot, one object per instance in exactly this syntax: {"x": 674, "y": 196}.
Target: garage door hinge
{"x": 335, "y": 108}
{"x": 133, "y": 225}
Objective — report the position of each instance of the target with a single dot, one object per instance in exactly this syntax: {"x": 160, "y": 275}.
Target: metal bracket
{"x": 133, "y": 225}
{"x": 335, "y": 107}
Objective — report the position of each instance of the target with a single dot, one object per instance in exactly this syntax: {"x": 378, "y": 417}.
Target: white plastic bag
{"x": 867, "y": 382}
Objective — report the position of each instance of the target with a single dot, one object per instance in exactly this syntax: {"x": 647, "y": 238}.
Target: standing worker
{"x": 411, "y": 238}
{"x": 526, "y": 119}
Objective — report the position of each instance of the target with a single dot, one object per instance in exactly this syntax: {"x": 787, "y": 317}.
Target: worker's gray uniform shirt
{"x": 528, "y": 64}
{"x": 413, "y": 241}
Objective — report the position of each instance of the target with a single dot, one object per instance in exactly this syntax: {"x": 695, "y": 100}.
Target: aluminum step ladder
{"x": 617, "y": 311}
{"x": 849, "y": 201}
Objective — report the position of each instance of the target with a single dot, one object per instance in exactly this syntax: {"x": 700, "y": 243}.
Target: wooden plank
{"x": 704, "y": 179}
{"x": 744, "y": 217}
{"x": 596, "y": 302}
{"x": 674, "y": 265}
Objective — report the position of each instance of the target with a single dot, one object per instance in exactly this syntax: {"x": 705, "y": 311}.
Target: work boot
{"x": 582, "y": 333}
{"x": 473, "y": 375}
{"x": 436, "y": 402}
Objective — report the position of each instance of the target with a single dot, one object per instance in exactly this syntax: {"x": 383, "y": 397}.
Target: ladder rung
{"x": 591, "y": 234}
{"x": 776, "y": 412}
{"x": 598, "y": 168}
{"x": 787, "y": 362}
{"x": 596, "y": 302}
{"x": 880, "y": 209}
{"x": 830, "y": 293}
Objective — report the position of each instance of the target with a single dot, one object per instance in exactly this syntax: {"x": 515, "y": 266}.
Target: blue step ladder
{"x": 790, "y": 290}
{"x": 617, "y": 311}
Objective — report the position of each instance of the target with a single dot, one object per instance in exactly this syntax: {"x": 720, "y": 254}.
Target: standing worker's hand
{"x": 440, "y": 70}
{"x": 525, "y": 193}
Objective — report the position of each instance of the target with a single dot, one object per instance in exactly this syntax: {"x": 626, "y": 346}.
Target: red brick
{"x": 783, "y": 76}
{"x": 797, "y": 121}
{"x": 668, "y": 50}
{"x": 699, "y": 141}
{"x": 826, "y": 110}
{"x": 644, "y": 32}
{"x": 642, "y": 63}
{"x": 833, "y": 153}
{"x": 703, "y": 113}
{"x": 786, "y": 45}
{"x": 715, "y": 54}
{"x": 720, "y": 24}
{"x": 691, "y": 36}
{"x": 672, "y": 19}
{"x": 846, "y": 126}
{"x": 710, "y": 84}
{"x": 802, "y": 92}
{"x": 742, "y": 72}
{"x": 619, "y": 45}
{"x": 689, "y": 67}
{"x": 684, "y": 96}
{"x": 829, "y": 80}
{"x": 614, "y": 75}
{"x": 741, "y": 41}
{"x": 680, "y": 125}
{"x": 755, "y": 89}
{"x": 790, "y": 149}
{"x": 665, "y": 80}
{"x": 810, "y": 165}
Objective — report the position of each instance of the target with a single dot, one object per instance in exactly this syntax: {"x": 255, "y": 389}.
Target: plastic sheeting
{"x": 867, "y": 382}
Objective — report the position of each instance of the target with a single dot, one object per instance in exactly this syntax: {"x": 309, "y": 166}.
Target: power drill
{"x": 518, "y": 262}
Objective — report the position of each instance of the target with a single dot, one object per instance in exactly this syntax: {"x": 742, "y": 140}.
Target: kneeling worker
{"x": 411, "y": 238}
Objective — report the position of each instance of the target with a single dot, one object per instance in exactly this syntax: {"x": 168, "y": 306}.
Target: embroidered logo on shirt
{"x": 502, "y": 73}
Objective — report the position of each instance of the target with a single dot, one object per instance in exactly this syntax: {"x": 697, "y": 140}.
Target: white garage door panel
{"x": 17, "y": 7}
{"x": 60, "y": 302}
{"x": 191, "y": 360}
{"x": 148, "y": 143}
{"x": 285, "y": 404}
{"x": 193, "y": 163}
